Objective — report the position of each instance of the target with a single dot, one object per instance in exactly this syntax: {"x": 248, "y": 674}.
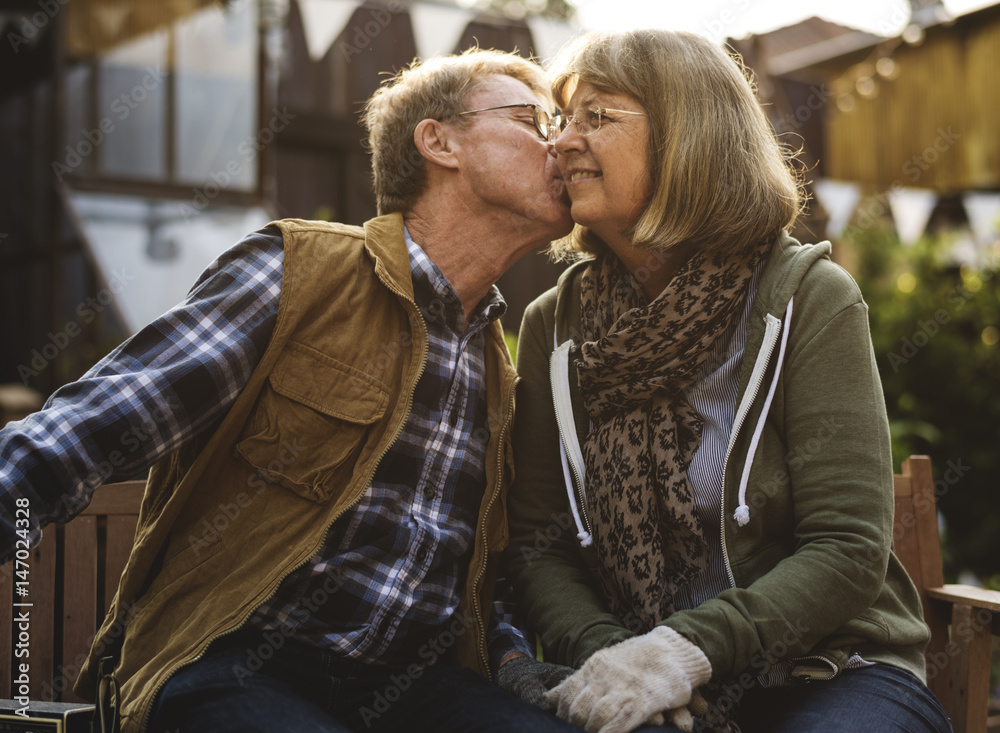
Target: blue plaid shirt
{"x": 396, "y": 560}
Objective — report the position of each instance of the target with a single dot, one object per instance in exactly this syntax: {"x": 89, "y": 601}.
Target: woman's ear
{"x": 436, "y": 143}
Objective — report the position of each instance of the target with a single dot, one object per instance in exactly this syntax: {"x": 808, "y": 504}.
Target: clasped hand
{"x": 646, "y": 679}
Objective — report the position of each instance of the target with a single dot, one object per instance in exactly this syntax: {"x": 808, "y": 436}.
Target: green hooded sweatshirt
{"x": 812, "y": 575}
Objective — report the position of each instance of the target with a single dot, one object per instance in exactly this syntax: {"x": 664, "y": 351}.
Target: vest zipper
{"x": 482, "y": 526}
{"x": 368, "y": 479}
{"x": 771, "y": 330}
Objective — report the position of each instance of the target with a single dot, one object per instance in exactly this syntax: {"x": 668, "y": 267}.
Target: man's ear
{"x": 436, "y": 143}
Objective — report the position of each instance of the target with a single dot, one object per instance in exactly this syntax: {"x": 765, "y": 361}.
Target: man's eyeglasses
{"x": 549, "y": 126}
{"x": 539, "y": 117}
{"x": 587, "y": 122}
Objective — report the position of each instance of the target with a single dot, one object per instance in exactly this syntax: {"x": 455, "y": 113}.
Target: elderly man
{"x": 327, "y": 418}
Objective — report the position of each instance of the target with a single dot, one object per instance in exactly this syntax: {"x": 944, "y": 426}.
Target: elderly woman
{"x": 700, "y": 405}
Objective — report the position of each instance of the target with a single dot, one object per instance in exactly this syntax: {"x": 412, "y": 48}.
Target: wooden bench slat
{"x": 967, "y": 595}
{"x": 971, "y": 668}
{"x": 123, "y": 498}
{"x": 6, "y": 616}
{"x": 917, "y": 523}
{"x": 904, "y": 543}
{"x": 42, "y": 596}
{"x": 79, "y": 599}
{"x": 925, "y": 512}
{"x": 73, "y": 575}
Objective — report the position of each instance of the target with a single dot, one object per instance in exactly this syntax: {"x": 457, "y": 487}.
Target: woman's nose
{"x": 569, "y": 139}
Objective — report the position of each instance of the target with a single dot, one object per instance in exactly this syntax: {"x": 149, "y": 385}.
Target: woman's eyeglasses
{"x": 549, "y": 126}
{"x": 587, "y": 122}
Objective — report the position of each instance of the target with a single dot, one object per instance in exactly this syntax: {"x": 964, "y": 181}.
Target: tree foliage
{"x": 935, "y": 333}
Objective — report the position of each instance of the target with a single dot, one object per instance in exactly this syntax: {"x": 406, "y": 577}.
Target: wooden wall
{"x": 935, "y": 126}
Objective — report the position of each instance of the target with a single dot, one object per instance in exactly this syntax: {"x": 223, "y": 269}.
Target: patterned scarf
{"x": 637, "y": 360}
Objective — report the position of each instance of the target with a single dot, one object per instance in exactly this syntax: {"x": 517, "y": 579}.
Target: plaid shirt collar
{"x": 438, "y": 298}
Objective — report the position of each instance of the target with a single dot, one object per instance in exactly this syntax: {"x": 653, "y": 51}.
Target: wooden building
{"x": 140, "y": 140}
{"x": 911, "y": 114}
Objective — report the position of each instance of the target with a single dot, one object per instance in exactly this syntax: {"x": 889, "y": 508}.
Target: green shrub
{"x": 935, "y": 333}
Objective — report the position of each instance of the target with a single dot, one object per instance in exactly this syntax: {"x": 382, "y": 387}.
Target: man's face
{"x": 511, "y": 172}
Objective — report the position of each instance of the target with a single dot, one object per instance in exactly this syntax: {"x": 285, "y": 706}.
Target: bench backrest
{"x": 917, "y": 544}
{"x": 72, "y": 576}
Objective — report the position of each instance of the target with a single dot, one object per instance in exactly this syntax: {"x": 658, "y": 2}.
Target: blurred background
{"x": 139, "y": 140}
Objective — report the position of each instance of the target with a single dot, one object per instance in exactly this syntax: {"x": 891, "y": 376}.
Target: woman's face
{"x": 606, "y": 172}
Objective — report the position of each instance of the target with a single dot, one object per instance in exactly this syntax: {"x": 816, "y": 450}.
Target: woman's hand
{"x": 621, "y": 687}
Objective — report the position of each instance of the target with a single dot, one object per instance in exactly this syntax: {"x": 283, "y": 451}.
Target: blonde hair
{"x": 434, "y": 89}
{"x": 720, "y": 179}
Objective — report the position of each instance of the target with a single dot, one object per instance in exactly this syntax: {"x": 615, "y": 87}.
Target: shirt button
{"x": 421, "y": 553}
{"x": 429, "y": 494}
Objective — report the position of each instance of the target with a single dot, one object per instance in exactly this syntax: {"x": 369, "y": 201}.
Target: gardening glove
{"x": 529, "y": 679}
{"x": 621, "y": 687}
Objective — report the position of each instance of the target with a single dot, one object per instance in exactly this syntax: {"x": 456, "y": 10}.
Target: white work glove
{"x": 624, "y": 686}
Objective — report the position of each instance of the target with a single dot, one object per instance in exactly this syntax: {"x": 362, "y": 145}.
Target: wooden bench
{"x": 963, "y": 619}
{"x": 72, "y": 576}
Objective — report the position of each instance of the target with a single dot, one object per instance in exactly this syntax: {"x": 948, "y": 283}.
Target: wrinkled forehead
{"x": 497, "y": 89}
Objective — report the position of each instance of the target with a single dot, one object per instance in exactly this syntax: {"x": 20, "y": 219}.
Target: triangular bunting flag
{"x": 983, "y": 210}
{"x": 840, "y": 199}
{"x": 323, "y": 21}
{"x": 911, "y": 209}
{"x": 549, "y": 36}
{"x": 436, "y": 29}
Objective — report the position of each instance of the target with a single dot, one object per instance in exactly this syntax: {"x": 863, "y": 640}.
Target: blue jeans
{"x": 878, "y": 699}
{"x": 307, "y": 690}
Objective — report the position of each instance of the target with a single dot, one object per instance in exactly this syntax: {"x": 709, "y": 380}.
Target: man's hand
{"x": 530, "y": 679}
{"x": 621, "y": 687}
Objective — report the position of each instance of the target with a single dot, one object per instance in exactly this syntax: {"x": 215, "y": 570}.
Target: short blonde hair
{"x": 435, "y": 89}
{"x": 720, "y": 179}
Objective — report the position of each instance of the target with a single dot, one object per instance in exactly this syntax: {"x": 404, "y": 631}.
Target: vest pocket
{"x": 310, "y": 422}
